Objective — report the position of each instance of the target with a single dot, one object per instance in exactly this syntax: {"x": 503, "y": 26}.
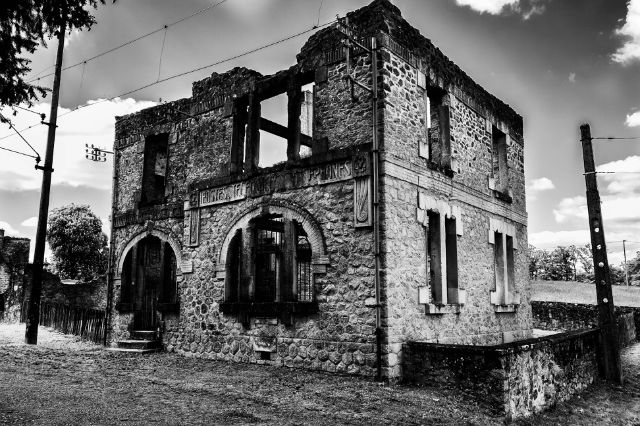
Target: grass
{"x": 575, "y": 292}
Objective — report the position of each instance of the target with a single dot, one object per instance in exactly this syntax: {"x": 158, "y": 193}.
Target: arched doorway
{"x": 148, "y": 281}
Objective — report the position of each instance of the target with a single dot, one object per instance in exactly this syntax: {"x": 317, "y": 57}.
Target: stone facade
{"x": 14, "y": 257}
{"x": 575, "y": 316}
{"x": 297, "y": 264}
{"x": 514, "y": 379}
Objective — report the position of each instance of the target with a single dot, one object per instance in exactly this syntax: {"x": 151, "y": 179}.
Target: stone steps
{"x": 140, "y": 341}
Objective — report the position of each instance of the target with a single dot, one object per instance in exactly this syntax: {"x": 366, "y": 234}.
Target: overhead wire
{"x": 182, "y": 74}
{"x": 127, "y": 43}
{"x": 19, "y": 152}
{"x": 11, "y": 126}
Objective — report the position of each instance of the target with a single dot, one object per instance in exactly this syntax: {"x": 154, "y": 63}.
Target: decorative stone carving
{"x": 362, "y": 214}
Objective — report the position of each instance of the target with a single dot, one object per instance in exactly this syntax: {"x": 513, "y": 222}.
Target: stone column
{"x": 247, "y": 283}
{"x": 252, "y": 156}
{"x": 294, "y": 108}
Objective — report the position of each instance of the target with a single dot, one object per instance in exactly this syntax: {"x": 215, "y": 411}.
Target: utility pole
{"x": 626, "y": 270}
{"x": 33, "y": 312}
{"x": 609, "y": 350}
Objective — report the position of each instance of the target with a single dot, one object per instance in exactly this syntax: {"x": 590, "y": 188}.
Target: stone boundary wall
{"x": 575, "y": 316}
{"x": 515, "y": 379}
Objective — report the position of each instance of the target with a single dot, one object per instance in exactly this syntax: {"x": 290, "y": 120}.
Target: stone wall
{"x": 575, "y": 316}
{"x": 14, "y": 257}
{"x": 515, "y": 379}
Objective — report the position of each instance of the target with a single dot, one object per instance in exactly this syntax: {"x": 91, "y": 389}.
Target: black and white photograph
{"x": 312, "y": 212}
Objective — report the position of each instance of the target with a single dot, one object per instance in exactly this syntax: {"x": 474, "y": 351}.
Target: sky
{"x": 558, "y": 63}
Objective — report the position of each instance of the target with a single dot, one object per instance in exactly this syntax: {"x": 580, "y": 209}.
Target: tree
{"x": 24, "y": 24}
{"x": 78, "y": 244}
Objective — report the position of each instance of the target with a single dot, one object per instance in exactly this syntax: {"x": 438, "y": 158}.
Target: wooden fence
{"x": 89, "y": 324}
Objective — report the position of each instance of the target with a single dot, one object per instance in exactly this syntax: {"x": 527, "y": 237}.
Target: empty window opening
{"x": 271, "y": 262}
{"x": 437, "y": 128}
{"x": 504, "y": 265}
{"x": 273, "y": 124}
{"x": 442, "y": 258}
{"x": 155, "y": 169}
{"x": 306, "y": 119}
{"x": 273, "y": 131}
{"x": 499, "y": 160}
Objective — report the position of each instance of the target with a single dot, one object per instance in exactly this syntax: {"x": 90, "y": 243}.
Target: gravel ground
{"x": 65, "y": 381}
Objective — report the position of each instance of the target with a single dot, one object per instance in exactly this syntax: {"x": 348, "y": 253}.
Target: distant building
{"x": 297, "y": 264}
{"x": 14, "y": 257}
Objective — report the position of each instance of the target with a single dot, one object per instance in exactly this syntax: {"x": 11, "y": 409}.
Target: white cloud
{"x": 526, "y": 8}
{"x": 9, "y": 231}
{"x": 630, "y": 31}
{"x": 622, "y": 184}
{"x": 90, "y": 125}
{"x": 32, "y": 222}
{"x": 633, "y": 120}
{"x": 550, "y": 239}
{"x": 620, "y": 196}
{"x": 541, "y": 184}
{"x": 572, "y": 77}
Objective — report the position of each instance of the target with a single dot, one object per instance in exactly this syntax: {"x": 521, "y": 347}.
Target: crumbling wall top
{"x": 381, "y": 16}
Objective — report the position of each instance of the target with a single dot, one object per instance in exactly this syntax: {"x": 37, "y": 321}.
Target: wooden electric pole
{"x": 33, "y": 312}
{"x": 609, "y": 350}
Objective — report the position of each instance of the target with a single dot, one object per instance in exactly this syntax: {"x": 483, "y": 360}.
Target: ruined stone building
{"x": 14, "y": 257}
{"x": 398, "y": 213}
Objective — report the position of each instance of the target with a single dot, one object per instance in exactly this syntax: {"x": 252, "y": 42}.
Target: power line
{"x": 11, "y": 126}
{"x": 21, "y": 153}
{"x": 610, "y": 172}
{"x": 615, "y": 138}
{"x": 164, "y": 27}
{"x": 182, "y": 74}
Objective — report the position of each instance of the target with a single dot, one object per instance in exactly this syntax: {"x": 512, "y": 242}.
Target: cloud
{"x": 541, "y": 184}
{"x": 620, "y": 196}
{"x": 94, "y": 124}
{"x": 9, "y": 231}
{"x": 633, "y": 120}
{"x": 32, "y": 222}
{"x": 630, "y": 31}
{"x": 572, "y": 77}
{"x": 525, "y": 8}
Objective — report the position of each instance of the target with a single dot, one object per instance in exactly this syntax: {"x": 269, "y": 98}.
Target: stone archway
{"x": 148, "y": 270}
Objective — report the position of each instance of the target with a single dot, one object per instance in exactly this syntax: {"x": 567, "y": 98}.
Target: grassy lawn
{"x": 574, "y": 292}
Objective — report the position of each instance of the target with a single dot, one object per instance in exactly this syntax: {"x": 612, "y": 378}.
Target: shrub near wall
{"x": 514, "y": 379}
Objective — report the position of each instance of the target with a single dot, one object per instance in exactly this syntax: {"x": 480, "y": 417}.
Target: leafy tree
{"x": 24, "y": 24}
{"x": 78, "y": 244}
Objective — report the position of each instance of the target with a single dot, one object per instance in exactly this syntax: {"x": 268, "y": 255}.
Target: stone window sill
{"x": 285, "y": 311}
{"x": 505, "y": 308}
{"x": 433, "y": 309}
{"x": 444, "y": 169}
{"x": 503, "y": 196}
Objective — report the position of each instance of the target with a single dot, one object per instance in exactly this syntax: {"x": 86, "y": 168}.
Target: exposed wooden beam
{"x": 282, "y": 131}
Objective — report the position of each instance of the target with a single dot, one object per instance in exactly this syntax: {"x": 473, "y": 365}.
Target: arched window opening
{"x": 269, "y": 261}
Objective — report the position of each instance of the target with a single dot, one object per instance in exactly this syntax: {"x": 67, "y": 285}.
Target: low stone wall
{"x": 574, "y": 316}
{"x": 515, "y": 379}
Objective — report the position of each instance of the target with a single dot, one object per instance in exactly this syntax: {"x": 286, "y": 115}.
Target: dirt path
{"x": 63, "y": 381}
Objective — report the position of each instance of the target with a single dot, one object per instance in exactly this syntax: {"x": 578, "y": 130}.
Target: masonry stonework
{"x": 229, "y": 260}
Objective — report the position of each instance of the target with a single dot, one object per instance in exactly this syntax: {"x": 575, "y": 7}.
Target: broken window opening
{"x": 504, "y": 266}
{"x": 280, "y": 108}
{"x": 437, "y": 135}
{"x": 155, "y": 169}
{"x": 272, "y": 264}
{"x": 442, "y": 258}
{"x": 499, "y": 160}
